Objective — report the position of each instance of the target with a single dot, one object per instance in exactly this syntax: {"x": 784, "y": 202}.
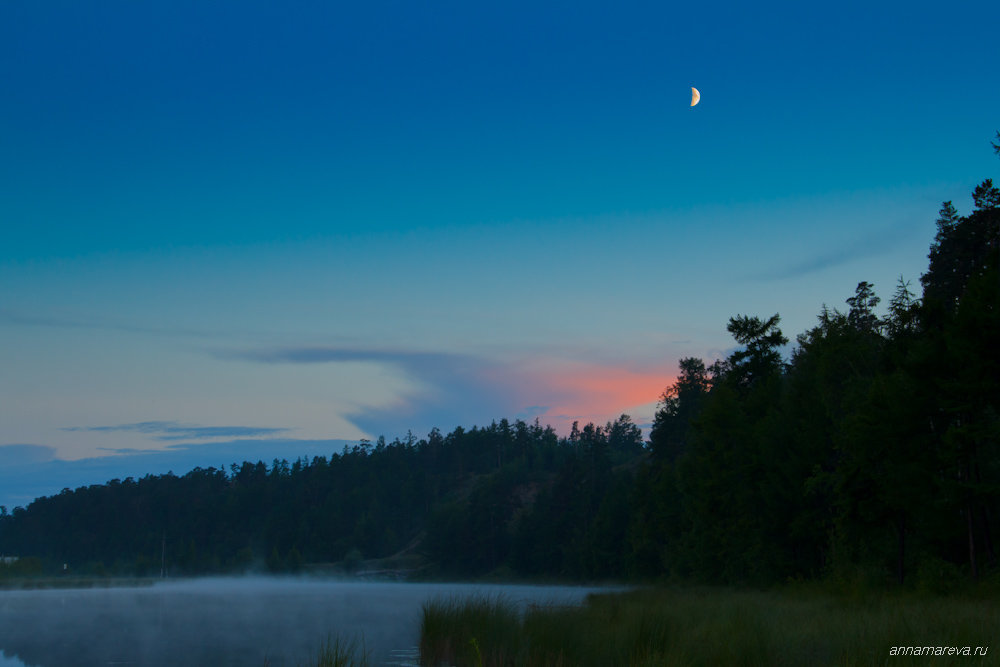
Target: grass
{"x": 337, "y": 652}
{"x": 703, "y": 626}
{"x": 481, "y": 631}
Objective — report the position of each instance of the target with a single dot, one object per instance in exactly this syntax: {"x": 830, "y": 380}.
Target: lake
{"x": 230, "y": 621}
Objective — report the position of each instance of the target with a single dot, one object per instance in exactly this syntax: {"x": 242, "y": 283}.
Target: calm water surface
{"x": 252, "y": 621}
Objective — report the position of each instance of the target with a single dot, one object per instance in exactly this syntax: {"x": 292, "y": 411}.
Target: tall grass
{"x": 338, "y": 652}
{"x": 695, "y": 626}
{"x": 484, "y": 631}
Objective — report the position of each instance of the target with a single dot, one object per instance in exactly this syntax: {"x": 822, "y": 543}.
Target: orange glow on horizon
{"x": 593, "y": 393}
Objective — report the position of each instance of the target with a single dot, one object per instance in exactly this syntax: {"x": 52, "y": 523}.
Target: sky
{"x": 242, "y": 230}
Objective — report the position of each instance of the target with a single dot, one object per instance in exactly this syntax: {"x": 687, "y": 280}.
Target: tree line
{"x": 872, "y": 452}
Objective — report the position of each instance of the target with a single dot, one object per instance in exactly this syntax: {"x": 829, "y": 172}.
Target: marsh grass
{"x": 338, "y": 652}
{"x": 694, "y": 626}
{"x": 483, "y": 631}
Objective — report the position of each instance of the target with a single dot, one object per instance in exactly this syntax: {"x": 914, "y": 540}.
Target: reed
{"x": 340, "y": 652}
{"x": 703, "y": 626}
{"x": 484, "y": 631}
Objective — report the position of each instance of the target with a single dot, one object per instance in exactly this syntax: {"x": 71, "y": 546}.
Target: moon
{"x": 695, "y": 96}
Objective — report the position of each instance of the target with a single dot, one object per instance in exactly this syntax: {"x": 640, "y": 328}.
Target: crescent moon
{"x": 695, "y": 96}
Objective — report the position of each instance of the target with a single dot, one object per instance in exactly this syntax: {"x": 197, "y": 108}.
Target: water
{"x": 250, "y": 621}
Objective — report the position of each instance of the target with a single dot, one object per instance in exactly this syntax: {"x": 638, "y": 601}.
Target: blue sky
{"x": 250, "y": 229}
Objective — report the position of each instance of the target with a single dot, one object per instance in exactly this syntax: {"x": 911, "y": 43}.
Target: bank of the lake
{"x": 708, "y": 626}
{"x": 40, "y": 583}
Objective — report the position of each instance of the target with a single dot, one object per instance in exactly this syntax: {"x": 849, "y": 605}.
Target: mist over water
{"x": 237, "y": 621}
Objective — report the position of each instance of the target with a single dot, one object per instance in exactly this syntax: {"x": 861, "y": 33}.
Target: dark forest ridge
{"x": 872, "y": 453}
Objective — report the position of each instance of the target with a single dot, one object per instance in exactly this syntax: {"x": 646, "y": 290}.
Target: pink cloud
{"x": 470, "y": 390}
{"x": 585, "y": 392}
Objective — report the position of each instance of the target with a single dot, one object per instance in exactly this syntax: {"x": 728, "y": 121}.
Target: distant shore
{"x": 37, "y": 583}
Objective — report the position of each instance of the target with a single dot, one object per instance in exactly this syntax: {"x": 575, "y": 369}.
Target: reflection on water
{"x": 251, "y": 621}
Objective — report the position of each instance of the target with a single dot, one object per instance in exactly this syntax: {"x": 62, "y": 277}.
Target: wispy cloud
{"x": 417, "y": 361}
{"x": 460, "y": 389}
{"x": 15, "y": 455}
{"x": 452, "y": 388}
{"x": 170, "y": 430}
{"x": 820, "y": 262}
{"x": 18, "y": 318}
{"x": 877, "y": 242}
{"x": 532, "y": 411}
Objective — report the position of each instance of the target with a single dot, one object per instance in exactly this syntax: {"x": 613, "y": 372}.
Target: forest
{"x": 869, "y": 452}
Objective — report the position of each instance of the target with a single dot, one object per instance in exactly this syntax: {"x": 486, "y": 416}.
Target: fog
{"x": 229, "y": 621}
